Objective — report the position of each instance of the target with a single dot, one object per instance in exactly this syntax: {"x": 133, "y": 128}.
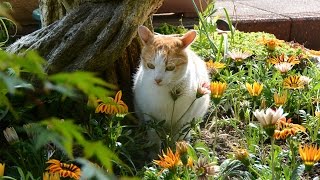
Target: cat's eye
{"x": 170, "y": 67}
{"x": 151, "y": 66}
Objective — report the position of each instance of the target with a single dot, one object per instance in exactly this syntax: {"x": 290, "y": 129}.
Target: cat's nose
{"x": 158, "y": 81}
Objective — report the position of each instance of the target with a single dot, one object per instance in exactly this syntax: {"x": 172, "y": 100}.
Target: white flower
{"x": 305, "y": 80}
{"x": 283, "y": 67}
{"x": 270, "y": 116}
{"x": 11, "y": 135}
{"x": 203, "y": 89}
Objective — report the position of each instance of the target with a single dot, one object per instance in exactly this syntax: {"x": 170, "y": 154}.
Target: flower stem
{"x": 272, "y": 158}
{"x": 215, "y": 128}
{"x": 183, "y": 114}
{"x": 174, "y": 104}
{"x": 293, "y": 160}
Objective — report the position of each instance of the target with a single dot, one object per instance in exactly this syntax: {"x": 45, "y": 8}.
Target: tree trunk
{"x": 95, "y": 35}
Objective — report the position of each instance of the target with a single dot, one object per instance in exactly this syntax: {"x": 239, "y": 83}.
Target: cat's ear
{"x": 145, "y": 34}
{"x": 188, "y": 38}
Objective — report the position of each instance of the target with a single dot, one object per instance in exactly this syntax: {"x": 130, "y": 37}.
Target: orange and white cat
{"x": 169, "y": 68}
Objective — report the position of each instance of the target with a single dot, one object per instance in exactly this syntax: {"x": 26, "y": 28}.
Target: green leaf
{"x": 297, "y": 172}
{"x": 85, "y": 82}
{"x": 192, "y": 153}
{"x": 90, "y": 171}
{"x": 32, "y": 63}
{"x": 68, "y": 130}
{"x": 10, "y": 83}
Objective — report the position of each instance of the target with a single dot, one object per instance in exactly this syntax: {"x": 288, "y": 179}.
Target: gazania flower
{"x": 214, "y": 66}
{"x": 203, "y": 89}
{"x": 283, "y": 67}
{"x": 270, "y": 43}
{"x": 238, "y": 55}
{"x": 11, "y": 135}
{"x": 280, "y": 99}
{"x": 310, "y": 154}
{"x": 242, "y": 155}
{"x": 204, "y": 169}
{"x": 305, "y": 80}
{"x": 190, "y": 162}
{"x": 255, "y": 89}
{"x": 64, "y": 170}
{"x": 2, "y": 169}
{"x": 217, "y": 89}
{"x": 285, "y": 129}
{"x": 293, "y": 82}
{"x": 168, "y": 160}
{"x": 115, "y": 106}
{"x": 269, "y": 118}
{"x": 283, "y": 58}
{"x": 50, "y": 176}
{"x": 182, "y": 150}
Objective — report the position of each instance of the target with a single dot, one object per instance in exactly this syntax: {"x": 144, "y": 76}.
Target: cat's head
{"x": 164, "y": 56}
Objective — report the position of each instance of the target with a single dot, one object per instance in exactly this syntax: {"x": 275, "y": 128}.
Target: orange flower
{"x": 283, "y": 58}
{"x": 285, "y": 129}
{"x": 293, "y": 82}
{"x": 310, "y": 154}
{"x": 255, "y": 89}
{"x": 50, "y": 176}
{"x": 64, "y": 170}
{"x": 168, "y": 160}
{"x": 114, "y": 106}
{"x": 270, "y": 43}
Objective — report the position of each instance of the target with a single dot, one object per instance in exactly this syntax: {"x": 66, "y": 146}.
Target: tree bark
{"x": 94, "y": 35}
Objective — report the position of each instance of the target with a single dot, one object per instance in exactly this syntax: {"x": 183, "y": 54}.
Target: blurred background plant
{"x": 8, "y": 27}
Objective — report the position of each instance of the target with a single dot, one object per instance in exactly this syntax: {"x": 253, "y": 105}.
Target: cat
{"x": 166, "y": 83}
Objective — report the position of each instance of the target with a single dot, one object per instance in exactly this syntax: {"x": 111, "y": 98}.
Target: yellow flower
{"x": 50, "y": 176}
{"x": 317, "y": 114}
{"x": 115, "y": 106}
{"x": 168, "y": 160}
{"x": 214, "y": 66}
{"x": 283, "y": 58}
{"x": 310, "y": 154}
{"x": 280, "y": 99}
{"x": 293, "y": 82}
{"x": 255, "y": 89}
{"x": 285, "y": 129}
{"x": 241, "y": 154}
{"x": 217, "y": 89}
{"x": 271, "y": 43}
{"x": 2, "y": 166}
{"x": 190, "y": 162}
{"x": 64, "y": 170}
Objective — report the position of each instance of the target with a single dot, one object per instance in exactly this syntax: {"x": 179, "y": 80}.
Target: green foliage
{"x": 6, "y": 23}
{"x": 166, "y": 28}
{"x": 61, "y": 137}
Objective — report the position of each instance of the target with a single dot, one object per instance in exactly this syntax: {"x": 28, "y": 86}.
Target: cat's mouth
{"x": 158, "y": 84}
